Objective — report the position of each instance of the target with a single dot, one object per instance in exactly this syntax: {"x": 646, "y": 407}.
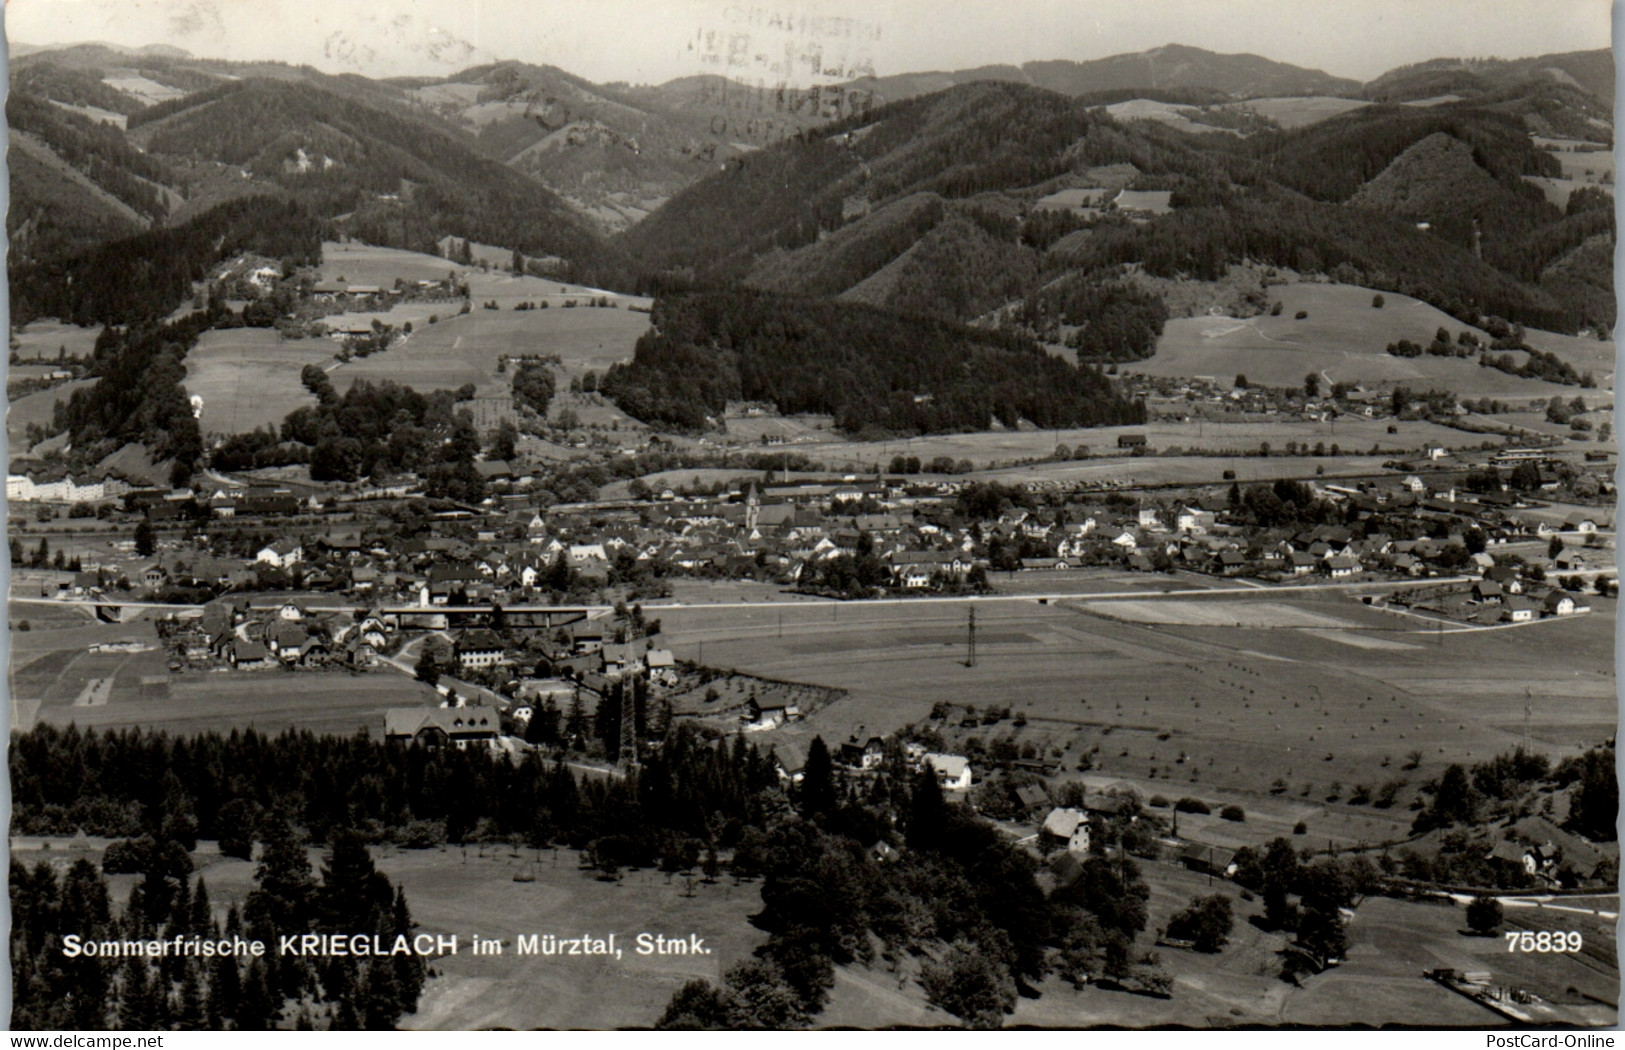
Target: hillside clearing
{"x": 1344, "y": 339}
{"x": 249, "y": 377}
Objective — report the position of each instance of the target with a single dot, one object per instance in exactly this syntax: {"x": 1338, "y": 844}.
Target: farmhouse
{"x": 1517, "y": 610}
{"x": 1558, "y": 604}
{"x": 791, "y": 760}
{"x": 1342, "y": 567}
{"x": 864, "y": 756}
{"x": 1211, "y": 860}
{"x": 281, "y": 554}
{"x": 434, "y": 727}
{"x": 249, "y": 656}
{"x": 1068, "y": 826}
{"x": 953, "y": 771}
{"x": 773, "y": 712}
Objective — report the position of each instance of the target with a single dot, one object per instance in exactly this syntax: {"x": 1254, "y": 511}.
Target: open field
{"x": 358, "y": 263}
{"x": 465, "y": 349}
{"x": 1343, "y": 340}
{"x": 1164, "y": 112}
{"x": 1244, "y": 705}
{"x": 794, "y": 429}
{"x": 37, "y": 408}
{"x": 1299, "y": 111}
{"x": 249, "y": 377}
{"x": 1353, "y": 435}
{"x": 1586, "y": 166}
{"x": 507, "y": 290}
{"x": 18, "y": 373}
{"x": 416, "y": 314}
{"x": 1557, "y": 191}
{"x": 1256, "y": 615}
{"x": 44, "y": 340}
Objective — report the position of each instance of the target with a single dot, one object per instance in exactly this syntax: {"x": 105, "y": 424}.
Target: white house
{"x": 953, "y": 771}
{"x": 1071, "y": 826}
{"x": 282, "y": 554}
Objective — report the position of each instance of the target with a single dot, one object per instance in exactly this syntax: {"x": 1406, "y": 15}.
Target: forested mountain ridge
{"x": 1455, "y": 222}
{"x": 997, "y": 203}
{"x": 614, "y": 151}
{"x": 404, "y": 181}
{"x": 1173, "y": 66}
{"x": 199, "y": 133}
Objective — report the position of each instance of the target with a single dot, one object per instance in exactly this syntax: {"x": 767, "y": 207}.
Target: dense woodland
{"x": 139, "y": 397}
{"x": 871, "y": 369}
{"x": 377, "y": 429}
{"x": 194, "y": 993}
{"x": 98, "y": 150}
{"x": 145, "y": 276}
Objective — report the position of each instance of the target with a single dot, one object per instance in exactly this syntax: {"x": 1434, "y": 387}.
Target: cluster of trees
{"x": 870, "y": 369}
{"x": 196, "y": 993}
{"x": 958, "y": 891}
{"x": 1560, "y": 411}
{"x": 959, "y": 894}
{"x": 1112, "y": 320}
{"x": 41, "y": 557}
{"x": 1461, "y": 796}
{"x": 139, "y": 396}
{"x": 1441, "y": 346}
{"x": 1277, "y": 874}
{"x": 384, "y": 427}
{"x": 1282, "y": 502}
{"x": 533, "y": 386}
{"x": 376, "y": 341}
{"x": 1539, "y": 364}
{"x": 1206, "y": 922}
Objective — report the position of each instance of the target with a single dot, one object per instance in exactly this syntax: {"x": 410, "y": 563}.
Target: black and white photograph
{"x": 737, "y": 514}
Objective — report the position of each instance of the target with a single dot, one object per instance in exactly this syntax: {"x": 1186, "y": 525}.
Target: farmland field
{"x": 249, "y": 377}
{"x": 1255, "y": 615}
{"x": 358, "y": 263}
{"x": 1164, "y": 112}
{"x": 1343, "y": 339}
{"x": 465, "y": 349}
{"x": 1242, "y": 705}
{"x": 1351, "y": 434}
{"x": 1300, "y": 111}
{"x": 507, "y": 290}
{"x": 44, "y": 340}
{"x": 1587, "y": 166}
